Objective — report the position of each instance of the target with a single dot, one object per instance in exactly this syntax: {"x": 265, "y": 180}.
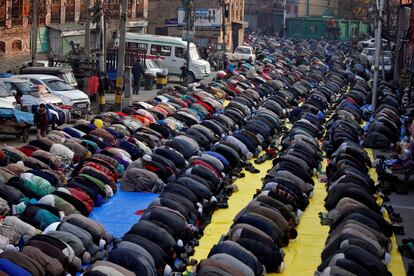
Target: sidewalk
{"x": 145, "y": 95}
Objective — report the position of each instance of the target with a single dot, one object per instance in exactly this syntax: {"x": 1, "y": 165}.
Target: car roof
{"x": 39, "y": 76}
{"x": 13, "y": 79}
{"x": 46, "y": 70}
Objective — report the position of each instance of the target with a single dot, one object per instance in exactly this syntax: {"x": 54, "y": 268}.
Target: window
{"x": 17, "y": 46}
{"x": 4, "y": 92}
{"x": 70, "y": 10}
{"x": 17, "y": 12}
{"x": 161, "y": 30}
{"x": 58, "y": 85}
{"x": 313, "y": 29}
{"x": 2, "y": 15}
{"x": 2, "y": 47}
{"x": 140, "y": 8}
{"x": 129, "y": 9}
{"x": 35, "y": 81}
{"x": 55, "y": 11}
{"x": 82, "y": 14}
{"x": 137, "y": 46}
{"x": 113, "y": 8}
{"x": 161, "y": 50}
{"x": 42, "y": 12}
{"x": 179, "y": 52}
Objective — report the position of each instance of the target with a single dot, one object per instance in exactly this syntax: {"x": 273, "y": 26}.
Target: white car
{"x": 244, "y": 53}
{"x": 368, "y": 54}
{"x": 58, "y": 87}
{"x": 31, "y": 94}
{"x": 370, "y": 43}
{"x": 154, "y": 67}
{"x": 387, "y": 66}
{"x": 7, "y": 99}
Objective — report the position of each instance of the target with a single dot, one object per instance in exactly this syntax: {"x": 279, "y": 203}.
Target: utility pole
{"x": 34, "y": 31}
{"x": 223, "y": 22}
{"x": 88, "y": 30}
{"x": 121, "y": 57}
{"x": 188, "y": 7}
{"x": 378, "y": 42}
{"x": 189, "y": 29}
{"x": 102, "y": 57}
{"x": 398, "y": 45}
{"x": 284, "y": 18}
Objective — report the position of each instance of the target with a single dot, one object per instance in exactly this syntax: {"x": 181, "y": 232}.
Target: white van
{"x": 173, "y": 52}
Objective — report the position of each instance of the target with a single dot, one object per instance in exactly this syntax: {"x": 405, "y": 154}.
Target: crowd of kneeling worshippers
{"x": 190, "y": 144}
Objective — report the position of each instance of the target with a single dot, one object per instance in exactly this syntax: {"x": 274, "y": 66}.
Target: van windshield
{"x": 194, "y": 53}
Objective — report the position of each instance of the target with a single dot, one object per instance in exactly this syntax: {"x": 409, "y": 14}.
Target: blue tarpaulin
{"x": 119, "y": 213}
{"x": 20, "y": 116}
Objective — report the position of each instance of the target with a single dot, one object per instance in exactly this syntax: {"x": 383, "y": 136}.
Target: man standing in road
{"x": 137, "y": 71}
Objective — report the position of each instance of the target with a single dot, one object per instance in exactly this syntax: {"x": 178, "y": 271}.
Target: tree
{"x": 355, "y": 9}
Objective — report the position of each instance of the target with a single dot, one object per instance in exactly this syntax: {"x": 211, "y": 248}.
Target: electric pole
{"x": 88, "y": 30}
{"x": 398, "y": 44}
{"x": 188, "y": 7}
{"x": 34, "y": 31}
{"x": 378, "y": 42}
{"x": 284, "y": 18}
{"x": 121, "y": 57}
{"x": 102, "y": 57}
{"x": 223, "y": 23}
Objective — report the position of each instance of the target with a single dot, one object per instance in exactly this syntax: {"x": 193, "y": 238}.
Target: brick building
{"x": 60, "y": 21}
{"x": 165, "y": 18}
{"x": 267, "y": 15}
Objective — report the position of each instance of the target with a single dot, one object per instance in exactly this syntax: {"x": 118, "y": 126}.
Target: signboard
{"x": 171, "y": 22}
{"x": 205, "y": 19}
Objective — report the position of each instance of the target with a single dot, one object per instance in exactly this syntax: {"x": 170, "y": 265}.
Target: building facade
{"x": 60, "y": 21}
{"x": 318, "y": 7}
{"x": 167, "y": 18}
{"x": 266, "y": 16}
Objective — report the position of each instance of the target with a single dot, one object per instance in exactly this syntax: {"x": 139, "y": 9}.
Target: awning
{"x": 69, "y": 29}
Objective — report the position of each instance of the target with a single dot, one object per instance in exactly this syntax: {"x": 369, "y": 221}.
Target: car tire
{"x": 191, "y": 78}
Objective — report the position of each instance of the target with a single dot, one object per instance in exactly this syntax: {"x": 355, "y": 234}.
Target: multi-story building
{"x": 167, "y": 18}
{"x": 267, "y": 15}
{"x": 318, "y": 7}
{"x": 60, "y": 21}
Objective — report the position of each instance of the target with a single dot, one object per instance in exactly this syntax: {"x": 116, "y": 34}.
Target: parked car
{"x": 154, "y": 67}
{"x": 65, "y": 73}
{"x": 244, "y": 53}
{"x": 58, "y": 87}
{"x": 370, "y": 43}
{"x": 368, "y": 54}
{"x": 387, "y": 67}
{"x": 7, "y": 99}
{"x": 31, "y": 94}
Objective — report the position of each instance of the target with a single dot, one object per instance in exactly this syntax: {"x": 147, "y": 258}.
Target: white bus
{"x": 172, "y": 50}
